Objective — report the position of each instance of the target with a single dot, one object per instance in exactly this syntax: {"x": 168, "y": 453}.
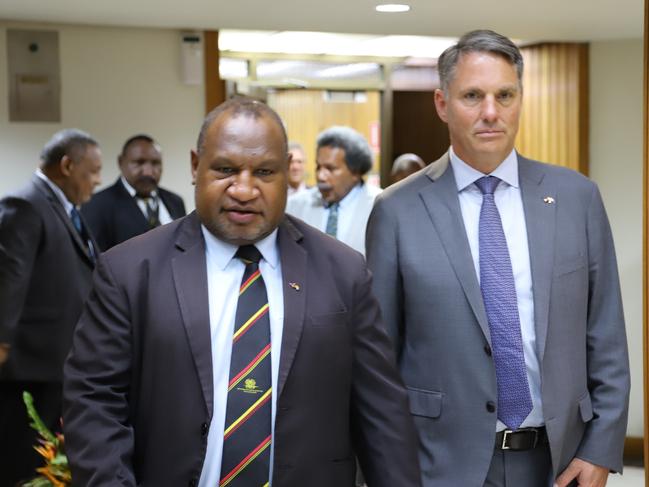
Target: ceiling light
{"x": 392, "y": 7}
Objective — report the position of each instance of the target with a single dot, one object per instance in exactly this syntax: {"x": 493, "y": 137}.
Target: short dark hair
{"x": 478, "y": 41}
{"x": 358, "y": 154}
{"x": 69, "y": 142}
{"x": 239, "y": 105}
{"x": 137, "y": 138}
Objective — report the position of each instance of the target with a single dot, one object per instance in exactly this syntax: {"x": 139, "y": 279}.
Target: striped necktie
{"x": 247, "y": 437}
{"x": 499, "y": 295}
{"x": 152, "y": 211}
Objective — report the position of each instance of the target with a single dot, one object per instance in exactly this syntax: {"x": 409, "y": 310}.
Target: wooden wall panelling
{"x": 554, "y": 121}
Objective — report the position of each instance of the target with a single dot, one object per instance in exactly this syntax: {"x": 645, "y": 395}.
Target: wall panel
{"x": 554, "y": 121}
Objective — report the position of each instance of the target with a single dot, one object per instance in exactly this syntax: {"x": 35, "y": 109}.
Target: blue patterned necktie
{"x": 499, "y": 296}
{"x": 81, "y": 230}
{"x": 332, "y": 220}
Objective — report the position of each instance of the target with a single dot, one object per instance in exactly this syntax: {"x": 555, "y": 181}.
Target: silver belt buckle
{"x": 504, "y": 445}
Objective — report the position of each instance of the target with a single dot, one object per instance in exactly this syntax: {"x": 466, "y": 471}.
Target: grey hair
{"x": 478, "y": 41}
{"x": 295, "y": 146}
{"x": 68, "y": 142}
{"x": 358, "y": 154}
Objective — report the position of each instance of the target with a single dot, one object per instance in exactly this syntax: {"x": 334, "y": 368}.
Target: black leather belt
{"x": 521, "y": 439}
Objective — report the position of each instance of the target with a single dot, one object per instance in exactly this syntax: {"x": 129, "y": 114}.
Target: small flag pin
{"x": 294, "y": 285}
{"x": 548, "y": 200}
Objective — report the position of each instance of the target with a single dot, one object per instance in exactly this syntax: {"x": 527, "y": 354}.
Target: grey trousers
{"x": 529, "y": 468}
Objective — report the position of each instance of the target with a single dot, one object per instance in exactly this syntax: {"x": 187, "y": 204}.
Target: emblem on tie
{"x": 548, "y": 200}
{"x": 294, "y": 285}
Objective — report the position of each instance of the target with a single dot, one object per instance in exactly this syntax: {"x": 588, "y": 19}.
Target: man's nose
{"x": 243, "y": 187}
{"x": 489, "y": 109}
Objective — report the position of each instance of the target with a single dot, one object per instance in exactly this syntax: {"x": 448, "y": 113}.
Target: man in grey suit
{"x": 342, "y": 201}
{"x": 46, "y": 261}
{"x": 498, "y": 283}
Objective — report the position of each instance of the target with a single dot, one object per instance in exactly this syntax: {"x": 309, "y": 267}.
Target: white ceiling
{"x": 532, "y": 20}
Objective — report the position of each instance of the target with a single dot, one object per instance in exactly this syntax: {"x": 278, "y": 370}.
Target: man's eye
{"x": 263, "y": 172}
{"x": 227, "y": 171}
{"x": 506, "y": 96}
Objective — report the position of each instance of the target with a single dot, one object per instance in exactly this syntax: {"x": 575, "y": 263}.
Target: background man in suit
{"x": 296, "y": 171}
{"x": 156, "y": 372}
{"x": 341, "y": 202}
{"x": 405, "y": 165}
{"x": 46, "y": 263}
{"x": 504, "y": 305}
{"x": 135, "y": 203}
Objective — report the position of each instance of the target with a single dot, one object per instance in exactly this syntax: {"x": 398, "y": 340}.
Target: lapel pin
{"x": 294, "y": 285}
{"x": 548, "y": 200}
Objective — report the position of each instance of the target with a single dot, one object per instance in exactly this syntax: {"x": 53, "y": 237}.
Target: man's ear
{"x": 440, "y": 104}
{"x": 194, "y": 165}
{"x": 65, "y": 165}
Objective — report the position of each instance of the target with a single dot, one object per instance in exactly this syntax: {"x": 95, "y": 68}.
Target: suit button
{"x": 491, "y": 407}
{"x": 193, "y": 482}
{"x": 487, "y": 350}
{"x": 204, "y": 429}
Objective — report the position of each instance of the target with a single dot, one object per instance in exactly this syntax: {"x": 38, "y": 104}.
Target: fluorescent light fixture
{"x": 392, "y": 8}
{"x": 332, "y": 44}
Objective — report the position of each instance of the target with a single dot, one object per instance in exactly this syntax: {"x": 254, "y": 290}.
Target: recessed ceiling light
{"x": 392, "y": 7}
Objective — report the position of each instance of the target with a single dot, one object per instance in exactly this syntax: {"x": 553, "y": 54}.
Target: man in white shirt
{"x": 341, "y": 202}
{"x": 236, "y": 346}
{"x": 135, "y": 203}
{"x": 296, "y": 169}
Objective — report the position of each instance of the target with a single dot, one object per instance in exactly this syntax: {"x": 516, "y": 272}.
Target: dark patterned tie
{"x": 332, "y": 220}
{"x": 78, "y": 225}
{"x": 499, "y": 296}
{"x": 152, "y": 211}
{"x": 247, "y": 437}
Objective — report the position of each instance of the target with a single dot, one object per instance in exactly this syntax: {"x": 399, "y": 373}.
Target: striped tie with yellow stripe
{"x": 247, "y": 436}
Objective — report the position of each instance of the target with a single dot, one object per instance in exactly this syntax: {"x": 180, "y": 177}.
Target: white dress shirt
{"x": 346, "y": 215}
{"x": 163, "y": 213}
{"x": 510, "y": 206}
{"x": 224, "y": 274}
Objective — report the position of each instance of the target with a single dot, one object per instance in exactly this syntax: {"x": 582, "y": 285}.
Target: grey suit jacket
{"x": 45, "y": 274}
{"x": 139, "y": 376}
{"x": 425, "y": 280}
{"x": 308, "y": 206}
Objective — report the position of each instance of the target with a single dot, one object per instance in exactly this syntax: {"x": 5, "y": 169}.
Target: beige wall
{"x": 115, "y": 82}
{"x": 616, "y": 165}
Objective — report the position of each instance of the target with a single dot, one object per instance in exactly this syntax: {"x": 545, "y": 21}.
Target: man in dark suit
{"x": 135, "y": 203}
{"x": 498, "y": 282}
{"x": 156, "y": 390}
{"x": 46, "y": 263}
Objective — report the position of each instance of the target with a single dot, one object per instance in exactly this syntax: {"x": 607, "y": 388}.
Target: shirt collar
{"x": 223, "y": 252}
{"x": 131, "y": 189}
{"x": 67, "y": 205}
{"x": 466, "y": 175}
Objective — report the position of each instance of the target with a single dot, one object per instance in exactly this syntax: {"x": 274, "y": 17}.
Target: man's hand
{"x": 586, "y": 474}
{"x": 4, "y": 352}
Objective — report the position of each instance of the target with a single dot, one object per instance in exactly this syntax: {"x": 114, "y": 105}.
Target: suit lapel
{"x": 133, "y": 216}
{"x": 58, "y": 208}
{"x": 294, "y": 276}
{"x": 443, "y": 207}
{"x": 190, "y": 279}
{"x": 540, "y": 219}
